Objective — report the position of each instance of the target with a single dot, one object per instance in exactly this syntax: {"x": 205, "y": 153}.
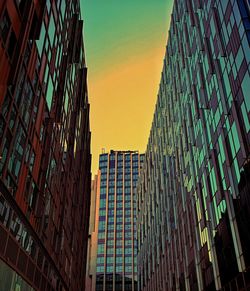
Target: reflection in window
{"x": 51, "y": 29}
{"x": 26, "y": 105}
{"x": 246, "y": 88}
{"x": 5, "y": 211}
{"x": 10, "y": 280}
{"x": 33, "y": 196}
{"x": 18, "y": 151}
{"x": 32, "y": 161}
{"x": 49, "y": 94}
{"x": 245, "y": 117}
{"x": 40, "y": 42}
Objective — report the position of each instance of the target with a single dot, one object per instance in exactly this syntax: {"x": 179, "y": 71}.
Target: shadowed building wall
{"x": 44, "y": 146}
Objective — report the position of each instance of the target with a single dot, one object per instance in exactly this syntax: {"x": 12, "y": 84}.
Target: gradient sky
{"x": 124, "y": 45}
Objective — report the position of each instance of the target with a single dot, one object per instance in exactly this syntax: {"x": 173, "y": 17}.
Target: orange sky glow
{"x": 123, "y": 81}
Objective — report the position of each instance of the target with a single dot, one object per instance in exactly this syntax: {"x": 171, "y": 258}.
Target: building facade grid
{"x": 117, "y": 245}
{"x": 44, "y": 146}
{"x": 193, "y": 194}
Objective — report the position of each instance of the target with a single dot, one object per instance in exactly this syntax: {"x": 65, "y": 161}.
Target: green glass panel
{"x": 235, "y": 137}
{"x": 49, "y": 94}
{"x": 245, "y": 116}
{"x": 246, "y": 89}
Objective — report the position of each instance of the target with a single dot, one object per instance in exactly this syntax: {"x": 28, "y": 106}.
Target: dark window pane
{"x": 18, "y": 151}
{"x": 5, "y": 26}
{"x": 12, "y": 44}
{"x": 6, "y": 105}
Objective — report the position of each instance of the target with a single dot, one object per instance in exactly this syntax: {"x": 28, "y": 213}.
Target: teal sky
{"x": 112, "y": 26}
{"x": 124, "y": 46}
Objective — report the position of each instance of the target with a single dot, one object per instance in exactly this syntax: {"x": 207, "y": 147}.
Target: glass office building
{"x": 117, "y": 247}
{"x": 193, "y": 194}
{"x": 44, "y": 146}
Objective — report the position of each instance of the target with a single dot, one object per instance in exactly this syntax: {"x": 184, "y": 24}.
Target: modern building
{"x": 193, "y": 193}
{"x": 116, "y": 267}
{"x": 93, "y": 234}
{"x": 44, "y": 146}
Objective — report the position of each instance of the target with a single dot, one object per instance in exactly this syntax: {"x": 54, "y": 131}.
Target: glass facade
{"x": 44, "y": 144}
{"x": 10, "y": 280}
{"x": 193, "y": 193}
{"x": 117, "y": 247}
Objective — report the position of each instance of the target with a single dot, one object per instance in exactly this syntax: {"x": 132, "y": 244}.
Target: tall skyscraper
{"x": 193, "y": 195}
{"x": 44, "y": 146}
{"x": 116, "y": 255}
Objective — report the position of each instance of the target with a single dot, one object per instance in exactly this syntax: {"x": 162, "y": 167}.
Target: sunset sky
{"x": 124, "y": 46}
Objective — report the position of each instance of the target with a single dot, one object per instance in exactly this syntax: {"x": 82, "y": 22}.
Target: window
{"x": 119, "y": 205}
{"x": 18, "y": 151}
{"x": 48, "y": 4}
{"x": 111, "y": 191}
{"x": 102, "y": 203}
{"x": 7, "y": 34}
{"x": 111, "y": 212}
{"x": 101, "y": 249}
{"x": 119, "y": 243}
{"x": 104, "y": 184}
{"x": 6, "y": 105}
{"x": 26, "y": 105}
{"x": 118, "y": 251}
{"x": 112, "y": 157}
{"x": 51, "y": 29}
{"x": 18, "y": 93}
{"x": 103, "y": 190}
{"x": 12, "y": 44}
{"x": 128, "y": 260}
{"x": 101, "y": 235}
{"x": 40, "y": 42}
{"x": 119, "y": 269}
{"x": 119, "y": 227}
{"x": 5, "y": 26}
{"x": 110, "y": 260}
{"x": 12, "y": 118}
{"x": 102, "y": 212}
{"x": 103, "y": 157}
{"x": 6, "y": 146}
{"x": 33, "y": 196}
{"x": 119, "y": 191}
{"x": 50, "y": 90}
{"x": 20, "y": 5}
{"x": 111, "y": 197}
{"x": 111, "y": 205}
{"x": 2, "y": 126}
{"x": 7, "y": 273}
{"x": 248, "y": 5}
{"x": 111, "y": 220}
{"x": 100, "y": 269}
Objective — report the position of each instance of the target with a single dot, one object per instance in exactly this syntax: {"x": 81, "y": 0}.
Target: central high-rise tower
{"x": 117, "y": 248}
